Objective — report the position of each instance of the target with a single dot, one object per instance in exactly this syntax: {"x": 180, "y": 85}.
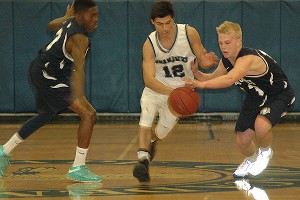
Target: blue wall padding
{"x": 114, "y": 79}
{"x": 7, "y": 93}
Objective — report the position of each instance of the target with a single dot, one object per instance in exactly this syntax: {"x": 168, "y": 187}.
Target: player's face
{"x": 90, "y": 19}
{"x": 229, "y": 44}
{"x": 163, "y": 25}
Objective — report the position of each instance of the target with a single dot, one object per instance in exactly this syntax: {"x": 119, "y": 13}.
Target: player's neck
{"x": 233, "y": 58}
{"x": 168, "y": 41}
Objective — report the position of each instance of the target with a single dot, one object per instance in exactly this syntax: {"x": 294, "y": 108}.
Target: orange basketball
{"x": 184, "y": 101}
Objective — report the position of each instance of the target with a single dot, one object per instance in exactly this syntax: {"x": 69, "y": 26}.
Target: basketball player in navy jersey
{"x": 57, "y": 74}
{"x": 167, "y": 56}
{"x": 269, "y": 95}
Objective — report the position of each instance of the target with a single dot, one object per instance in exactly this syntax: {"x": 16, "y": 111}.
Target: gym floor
{"x": 195, "y": 161}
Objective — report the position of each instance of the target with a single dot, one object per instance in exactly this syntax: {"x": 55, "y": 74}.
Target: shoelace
{"x": 245, "y": 164}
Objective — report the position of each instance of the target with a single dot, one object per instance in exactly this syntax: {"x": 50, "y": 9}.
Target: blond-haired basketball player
{"x": 269, "y": 95}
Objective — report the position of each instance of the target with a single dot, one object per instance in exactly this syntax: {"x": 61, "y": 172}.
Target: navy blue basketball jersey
{"x": 57, "y": 63}
{"x": 263, "y": 86}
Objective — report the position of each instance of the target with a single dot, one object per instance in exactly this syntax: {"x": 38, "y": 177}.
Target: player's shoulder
{"x": 147, "y": 45}
{"x": 247, "y": 51}
{"x": 72, "y": 27}
{"x": 191, "y": 31}
{"x": 190, "y": 28}
{"x": 247, "y": 55}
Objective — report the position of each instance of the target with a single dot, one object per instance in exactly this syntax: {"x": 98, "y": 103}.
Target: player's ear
{"x": 152, "y": 21}
{"x": 240, "y": 41}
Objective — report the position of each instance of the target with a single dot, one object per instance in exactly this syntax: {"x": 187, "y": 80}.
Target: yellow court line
{"x": 128, "y": 147}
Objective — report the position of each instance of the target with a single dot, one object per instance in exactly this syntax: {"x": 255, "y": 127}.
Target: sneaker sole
{"x": 83, "y": 181}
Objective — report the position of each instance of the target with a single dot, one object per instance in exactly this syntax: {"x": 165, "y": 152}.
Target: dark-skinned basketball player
{"x": 167, "y": 56}
{"x": 57, "y": 74}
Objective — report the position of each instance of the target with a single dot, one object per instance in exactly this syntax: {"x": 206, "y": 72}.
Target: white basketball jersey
{"x": 174, "y": 63}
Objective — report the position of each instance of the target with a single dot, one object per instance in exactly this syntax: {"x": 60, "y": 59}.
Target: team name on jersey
{"x": 173, "y": 59}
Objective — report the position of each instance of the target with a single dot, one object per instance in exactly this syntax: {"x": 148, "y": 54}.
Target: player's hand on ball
{"x": 189, "y": 82}
{"x": 183, "y": 101}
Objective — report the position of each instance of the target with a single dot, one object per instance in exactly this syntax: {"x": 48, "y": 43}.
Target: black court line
{"x": 210, "y": 131}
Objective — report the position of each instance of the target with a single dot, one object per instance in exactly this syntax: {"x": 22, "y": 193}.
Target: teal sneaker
{"x": 82, "y": 174}
{"x": 4, "y": 161}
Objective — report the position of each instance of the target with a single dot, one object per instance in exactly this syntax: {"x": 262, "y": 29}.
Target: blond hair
{"x": 230, "y": 27}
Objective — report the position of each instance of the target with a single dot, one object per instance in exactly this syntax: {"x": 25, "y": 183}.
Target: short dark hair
{"x": 82, "y": 5}
{"x": 162, "y": 9}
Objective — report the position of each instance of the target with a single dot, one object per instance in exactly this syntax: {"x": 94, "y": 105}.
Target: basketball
{"x": 183, "y": 101}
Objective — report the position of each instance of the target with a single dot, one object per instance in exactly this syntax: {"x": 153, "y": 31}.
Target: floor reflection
{"x": 251, "y": 191}
{"x": 83, "y": 191}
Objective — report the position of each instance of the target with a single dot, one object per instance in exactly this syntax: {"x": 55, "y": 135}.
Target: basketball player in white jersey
{"x": 167, "y": 56}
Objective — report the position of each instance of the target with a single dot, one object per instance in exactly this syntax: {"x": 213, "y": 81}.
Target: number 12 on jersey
{"x": 176, "y": 71}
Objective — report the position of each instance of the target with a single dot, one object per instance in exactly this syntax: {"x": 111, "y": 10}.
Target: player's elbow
{"x": 206, "y": 67}
{"x": 51, "y": 27}
{"x": 227, "y": 84}
{"x": 148, "y": 83}
{"x": 229, "y": 81}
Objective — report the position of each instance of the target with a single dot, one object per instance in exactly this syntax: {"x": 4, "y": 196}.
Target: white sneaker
{"x": 243, "y": 169}
{"x": 261, "y": 162}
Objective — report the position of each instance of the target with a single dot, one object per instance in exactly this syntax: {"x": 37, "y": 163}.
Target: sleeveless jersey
{"x": 264, "y": 86}
{"x": 174, "y": 63}
{"x": 56, "y": 62}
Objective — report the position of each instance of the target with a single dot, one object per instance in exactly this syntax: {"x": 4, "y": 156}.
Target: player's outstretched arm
{"x": 58, "y": 22}
{"x": 240, "y": 70}
{"x": 206, "y": 59}
{"x": 219, "y": 71}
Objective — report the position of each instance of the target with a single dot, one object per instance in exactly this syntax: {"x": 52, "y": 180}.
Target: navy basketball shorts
{"x": 52, "y": 97}
{"x": 273, "y": 109}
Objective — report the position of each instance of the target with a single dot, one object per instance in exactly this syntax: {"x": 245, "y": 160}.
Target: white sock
{"x": 252, "y": 158}
{"x": 143, "y": 154}
{"x": 80, "y": 157}
{"x": 265, "y": 148}
{"x": 14, "y": 141}
{"x": 153, "y": 140}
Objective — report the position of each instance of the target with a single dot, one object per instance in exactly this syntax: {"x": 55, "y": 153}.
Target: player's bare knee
{"x": 94, "y": 116}
{"x": 88, "y": 116}
{"x": 244, "y": 139}
{"x": 262, "y": 126}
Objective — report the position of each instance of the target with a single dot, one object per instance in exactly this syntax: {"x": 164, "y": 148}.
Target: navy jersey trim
{"x": 188, "y": 38}
{"x": 152, "y": 46}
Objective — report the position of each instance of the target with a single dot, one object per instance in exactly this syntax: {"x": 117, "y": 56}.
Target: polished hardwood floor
{"x": 195, "y": 162}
